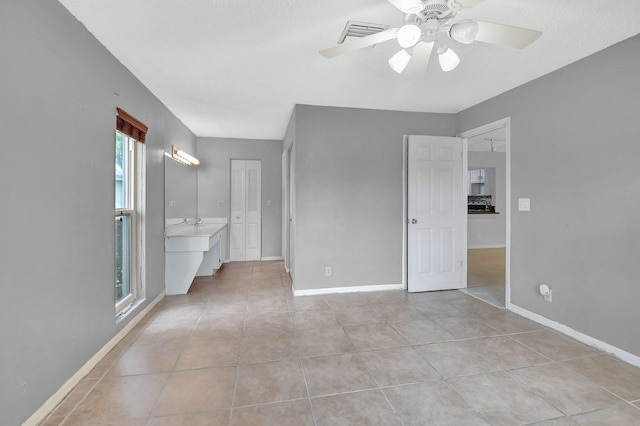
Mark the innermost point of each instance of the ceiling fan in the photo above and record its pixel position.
(429, 24)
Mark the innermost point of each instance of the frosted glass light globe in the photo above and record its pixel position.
(399, 61)
(409, 35)
(448, 59)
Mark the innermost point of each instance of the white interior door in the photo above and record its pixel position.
(253, 240)
(245, 240)
(237, 222)
(436, 212)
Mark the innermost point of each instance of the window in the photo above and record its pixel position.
(129, 206)
(125, 220)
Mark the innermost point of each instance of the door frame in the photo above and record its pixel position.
(495, 125)
(405, 210)
(287, 207)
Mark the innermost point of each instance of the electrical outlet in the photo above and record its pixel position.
(172, 203)
(327, 271)
(221, 203)
(546, 292)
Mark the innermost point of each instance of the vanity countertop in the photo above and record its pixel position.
(192, 236)
(200, 230)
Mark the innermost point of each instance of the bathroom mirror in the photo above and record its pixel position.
(180, 188)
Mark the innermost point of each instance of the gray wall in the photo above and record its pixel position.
(575, 152)
(180, 180)
(215, 155)
(488, 230)
(348, 193)
(59, 91)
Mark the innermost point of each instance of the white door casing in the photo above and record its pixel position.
(286, 208)
(504, 123)
(436, 213)
(246, 215)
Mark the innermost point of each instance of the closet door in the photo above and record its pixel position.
(236, 240)
(246, 214)
(253, 212)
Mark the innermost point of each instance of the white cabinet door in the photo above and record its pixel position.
(245, 230)
(436, 212)
(476, 176)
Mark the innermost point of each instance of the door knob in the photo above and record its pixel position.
(414, 221)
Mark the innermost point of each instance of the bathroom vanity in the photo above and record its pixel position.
(193, 248)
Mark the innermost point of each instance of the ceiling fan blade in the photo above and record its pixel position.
(506, 35)
(468, 3)
(360, 43)
(408, 6)
(419, 60)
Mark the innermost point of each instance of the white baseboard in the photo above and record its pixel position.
(270, 258)
(586, 339)
(68, 386)
(351, 289)
(489, 246)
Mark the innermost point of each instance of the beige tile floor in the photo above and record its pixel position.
(486, 275)
(239, 349)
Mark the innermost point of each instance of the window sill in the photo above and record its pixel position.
(128, 311)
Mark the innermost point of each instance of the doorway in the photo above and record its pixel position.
(488, 218)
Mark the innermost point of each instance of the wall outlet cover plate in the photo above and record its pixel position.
(524, 204)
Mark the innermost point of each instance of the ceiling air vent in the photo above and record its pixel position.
(355, 29)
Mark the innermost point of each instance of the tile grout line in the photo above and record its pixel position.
(306, 385)
(235, 382)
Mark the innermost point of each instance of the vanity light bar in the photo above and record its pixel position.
(184, 158)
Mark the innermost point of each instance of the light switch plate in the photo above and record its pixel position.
(524, 204)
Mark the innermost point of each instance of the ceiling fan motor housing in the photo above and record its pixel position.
(437, 8)
(434, 13)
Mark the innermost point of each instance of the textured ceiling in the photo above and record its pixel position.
(236, 68)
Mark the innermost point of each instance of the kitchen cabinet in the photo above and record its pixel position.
(476, 176)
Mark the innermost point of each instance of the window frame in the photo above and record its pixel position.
(131, 211)
(135, 132)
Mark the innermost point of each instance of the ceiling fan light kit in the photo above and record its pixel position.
(399, 61)
(409, 35)
(464, 31)
(429, 23)
(448, 59)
